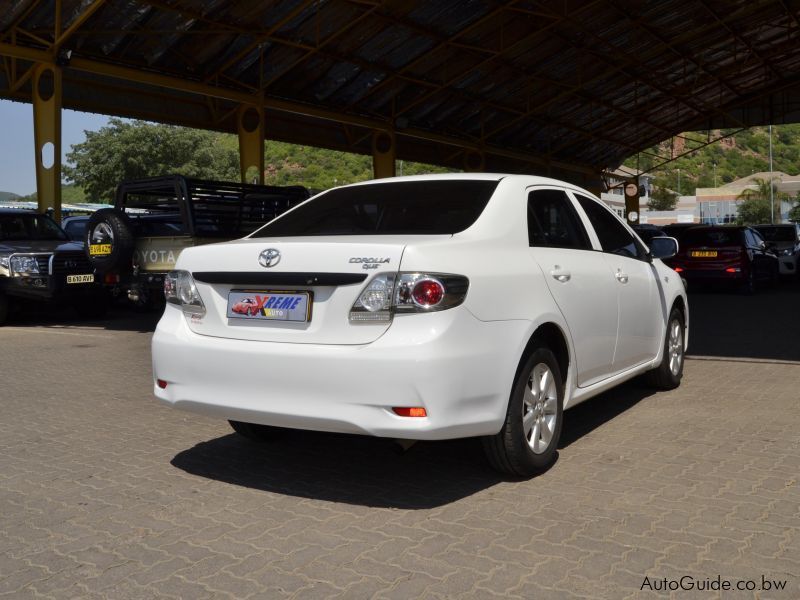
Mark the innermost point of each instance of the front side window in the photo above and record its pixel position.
(393, 208)
(613, 236)
(553, 222)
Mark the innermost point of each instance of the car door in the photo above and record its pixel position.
(577, 277)
(641, 310)
(762, 261)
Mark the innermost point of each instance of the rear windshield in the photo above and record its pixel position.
(712, 237)
(15, 227)
(217, 209)
(155, 214)
(402, 207)
(777, 234)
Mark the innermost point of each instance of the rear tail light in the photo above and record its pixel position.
(678, 269)
(427, 293)
(390, 293)
(180, 289)
(733, 270)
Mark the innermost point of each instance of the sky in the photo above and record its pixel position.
(17, 167)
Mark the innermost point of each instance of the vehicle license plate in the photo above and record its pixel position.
(99, 249)
(269, 306)
(80, 278)
(704, 254)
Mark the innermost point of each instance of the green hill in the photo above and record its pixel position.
(733, 157)
(69, 193)
(6, 196)
(317, 168)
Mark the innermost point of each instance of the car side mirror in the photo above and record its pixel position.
(663, 247)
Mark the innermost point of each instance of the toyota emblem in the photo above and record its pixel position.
(269, 258)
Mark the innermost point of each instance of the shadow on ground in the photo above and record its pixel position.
(597, 411)
(345, 468)
(120, 317)
(765, 325)
(370, 471)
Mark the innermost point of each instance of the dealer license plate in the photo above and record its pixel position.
(80, 278)
(269, 306)
(704, 254)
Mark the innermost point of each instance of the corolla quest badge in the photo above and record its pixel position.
(269, 258)
(369, 263)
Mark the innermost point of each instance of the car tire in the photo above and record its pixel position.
(109, 225)
(4, 302)
(255, 432)
(668, 375)
(536, 406)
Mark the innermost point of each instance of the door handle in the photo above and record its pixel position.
(621, 277)
(560, 275)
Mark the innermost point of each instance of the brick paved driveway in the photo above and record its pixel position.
(104, 493)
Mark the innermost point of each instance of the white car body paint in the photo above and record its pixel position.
(331, 374)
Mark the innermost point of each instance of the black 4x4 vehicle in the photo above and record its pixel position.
(133, 245)
(38, 262)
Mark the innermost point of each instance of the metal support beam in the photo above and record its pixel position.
(250, 124)
(47, 136)
(383, 154)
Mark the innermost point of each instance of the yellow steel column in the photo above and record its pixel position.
(250, 121)
(383, 154)
(47, 136)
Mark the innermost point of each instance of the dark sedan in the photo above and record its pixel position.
(725, 255)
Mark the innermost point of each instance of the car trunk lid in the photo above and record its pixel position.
(307, 290)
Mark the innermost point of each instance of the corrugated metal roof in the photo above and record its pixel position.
(532, 83)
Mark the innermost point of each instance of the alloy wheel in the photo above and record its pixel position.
(540, 408)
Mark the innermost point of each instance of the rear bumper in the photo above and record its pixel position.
(47, 288)
(457, 367)
(720, 274)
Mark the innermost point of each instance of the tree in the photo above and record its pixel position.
(132, 149)
(794, 213)
(662, 198)
(753, 211)
(755, 206)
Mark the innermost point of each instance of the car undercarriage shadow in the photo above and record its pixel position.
(370, 471)
(121, 316)
(597, 411)
(346, 468)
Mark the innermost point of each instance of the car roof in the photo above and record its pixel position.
(528, 180)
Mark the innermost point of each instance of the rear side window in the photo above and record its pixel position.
(613, 236)
(401, 207)
(778, 234)
(552, 221)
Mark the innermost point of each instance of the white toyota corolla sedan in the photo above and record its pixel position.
(423, 308)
